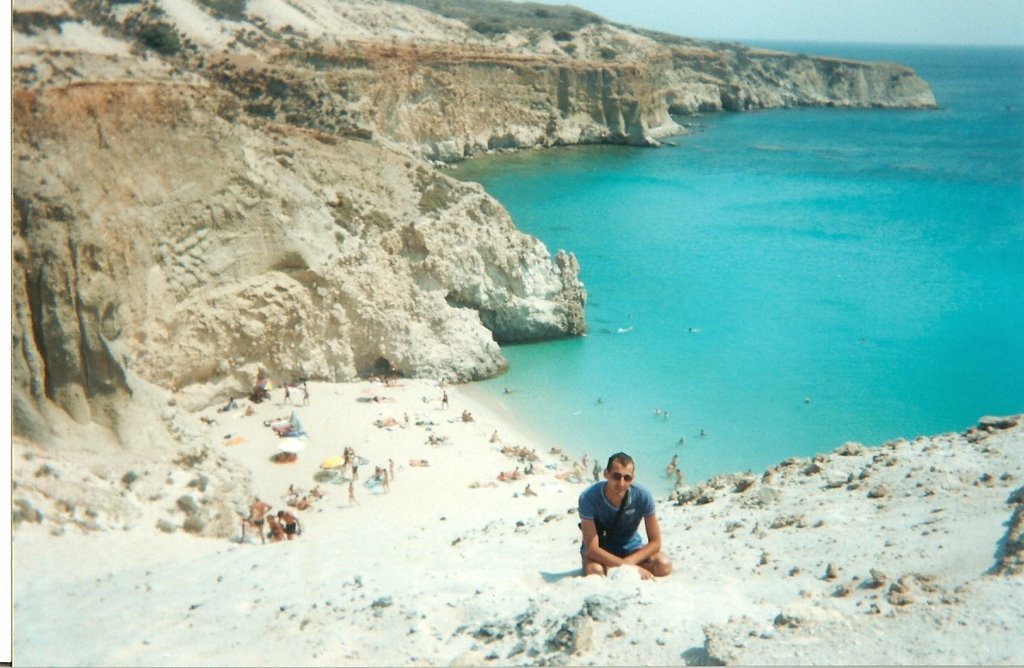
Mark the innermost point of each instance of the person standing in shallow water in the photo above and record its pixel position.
(610, 515)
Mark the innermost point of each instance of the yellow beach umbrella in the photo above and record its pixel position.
(332, 462)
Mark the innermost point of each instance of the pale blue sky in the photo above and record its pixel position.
(888, 21)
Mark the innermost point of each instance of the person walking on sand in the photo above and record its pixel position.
(352, 494)
(257, 514)
(287, 395)
(305, 394)
(444, 399)
(610, 514)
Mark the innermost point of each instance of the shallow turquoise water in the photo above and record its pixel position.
(784, 281)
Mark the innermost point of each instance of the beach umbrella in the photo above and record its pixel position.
(332, 462)
(292, 445)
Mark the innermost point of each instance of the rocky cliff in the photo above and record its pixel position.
(204, 187)
(158, 231)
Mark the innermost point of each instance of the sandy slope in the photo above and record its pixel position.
(447, 569)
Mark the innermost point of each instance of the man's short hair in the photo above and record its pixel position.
(622, 458)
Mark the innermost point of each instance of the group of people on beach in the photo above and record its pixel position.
(282, 526)
(287, 399)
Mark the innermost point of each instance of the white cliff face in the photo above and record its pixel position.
(159, 232)
(738, 79)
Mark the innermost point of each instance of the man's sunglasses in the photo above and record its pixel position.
(619, 476)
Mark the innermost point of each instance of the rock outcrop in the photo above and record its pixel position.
(159, 231)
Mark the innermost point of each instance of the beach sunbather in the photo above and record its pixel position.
(301, 504)
(507, 476)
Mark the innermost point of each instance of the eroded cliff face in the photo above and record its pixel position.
(159, 231)
(202, 188)
(431, 86)
(736, 78)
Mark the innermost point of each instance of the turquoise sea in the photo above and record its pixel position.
(783, 281)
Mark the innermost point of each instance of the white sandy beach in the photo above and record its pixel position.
(452, 566)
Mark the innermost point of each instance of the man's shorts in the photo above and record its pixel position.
(620, 551)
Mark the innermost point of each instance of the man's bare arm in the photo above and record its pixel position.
(653, 545)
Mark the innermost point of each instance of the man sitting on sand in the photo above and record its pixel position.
(610, 514)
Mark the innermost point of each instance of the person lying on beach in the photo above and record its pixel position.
(523, 454)
(507, 476)
(610, 514)
(418, 462)
(300, 504)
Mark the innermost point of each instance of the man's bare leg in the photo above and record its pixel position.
(658, 564)
(591, 567)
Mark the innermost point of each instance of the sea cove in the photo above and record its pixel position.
(784, 281)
